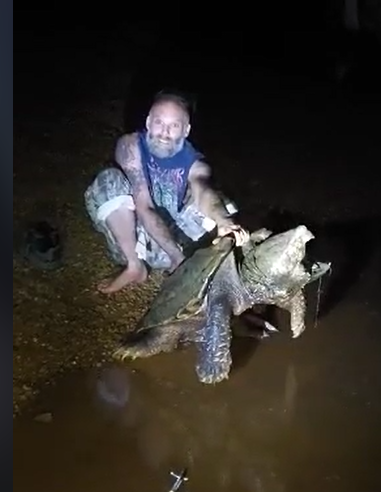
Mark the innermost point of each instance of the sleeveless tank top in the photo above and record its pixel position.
(167, 177)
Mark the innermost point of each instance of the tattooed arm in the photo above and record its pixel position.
(127, 155)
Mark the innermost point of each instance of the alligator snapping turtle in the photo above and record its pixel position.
(196, 302)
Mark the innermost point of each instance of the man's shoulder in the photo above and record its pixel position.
(128, 139)
(127, 152)
(199, 168)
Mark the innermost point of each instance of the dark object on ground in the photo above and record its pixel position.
(42, 246)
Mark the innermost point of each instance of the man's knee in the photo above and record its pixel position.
(109, 191)
(110, 180)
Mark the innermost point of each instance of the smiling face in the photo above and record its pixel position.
(167, 128)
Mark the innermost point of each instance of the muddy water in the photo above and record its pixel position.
(295, 416)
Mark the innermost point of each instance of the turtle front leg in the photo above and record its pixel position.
(297, 309)
(213, 341)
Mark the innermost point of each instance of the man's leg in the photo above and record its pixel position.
(122, 224)
(110, 205)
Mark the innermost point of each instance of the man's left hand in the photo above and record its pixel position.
(228, 226)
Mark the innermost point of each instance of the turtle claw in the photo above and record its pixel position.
(261, 329)
(213, 370)
(269, 327)
(212, 375)
(212, 378)
(123, 353)
(268, 330)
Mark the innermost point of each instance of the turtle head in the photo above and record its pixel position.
(279, 256)
(282, 253)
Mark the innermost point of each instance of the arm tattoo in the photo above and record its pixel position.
(136, 178)
(125, 154)
(127, 158)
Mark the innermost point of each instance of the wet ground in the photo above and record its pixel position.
(299, 415)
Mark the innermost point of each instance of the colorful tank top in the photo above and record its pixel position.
(167, 177)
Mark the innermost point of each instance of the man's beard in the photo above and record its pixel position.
(163, 150)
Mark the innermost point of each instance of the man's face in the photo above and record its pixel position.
(167, 128)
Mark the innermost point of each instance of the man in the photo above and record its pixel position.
(157, 196)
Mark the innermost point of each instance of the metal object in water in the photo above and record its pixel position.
(179, 480)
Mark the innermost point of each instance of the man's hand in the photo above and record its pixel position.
(228, 226)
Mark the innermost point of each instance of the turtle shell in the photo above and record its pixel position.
(182, 293)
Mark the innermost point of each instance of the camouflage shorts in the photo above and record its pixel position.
(111, 190)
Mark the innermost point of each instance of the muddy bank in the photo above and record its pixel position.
(60, 321)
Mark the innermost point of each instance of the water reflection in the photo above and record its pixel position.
(220, 435)
(295, 417)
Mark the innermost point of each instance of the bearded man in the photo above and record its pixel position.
(157, 195)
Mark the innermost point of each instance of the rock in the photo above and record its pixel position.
(45, 418)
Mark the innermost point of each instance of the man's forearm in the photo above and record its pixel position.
(159, 231)
(207, 200)
(210, 204)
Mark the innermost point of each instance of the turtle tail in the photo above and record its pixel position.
(147, 342)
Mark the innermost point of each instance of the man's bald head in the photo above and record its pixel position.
(171, 97)
(168, 125)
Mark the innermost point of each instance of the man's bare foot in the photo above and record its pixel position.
(133, 274)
